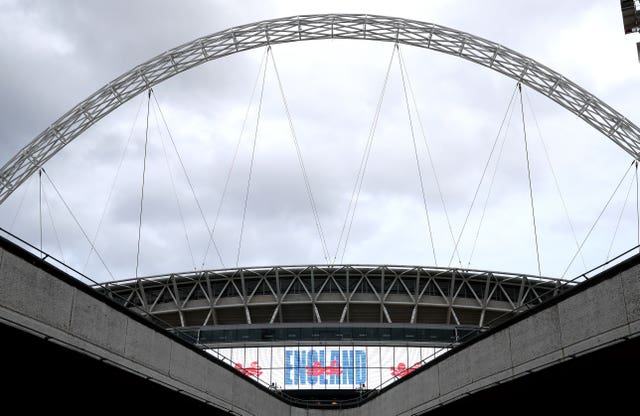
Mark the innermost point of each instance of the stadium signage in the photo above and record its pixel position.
(326, 367)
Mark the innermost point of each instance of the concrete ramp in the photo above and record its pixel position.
(37, 298)
(598, 314)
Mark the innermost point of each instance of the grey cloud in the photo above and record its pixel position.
(332, 89)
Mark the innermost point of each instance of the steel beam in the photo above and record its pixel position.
(483, 52)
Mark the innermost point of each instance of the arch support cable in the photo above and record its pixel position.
(188, 179)
(491, 183)
(144, 172)
(428, 148)
(305, 175)
(53, 225)
(174, 190)
(556, 182)
(75, 219)
(624, 206)
(113, 186)
(637, 203)
(345, 232)
(253, 155)
(598, 218)
(232, 165)
(484, 172)
(533, 208)
(415, 151)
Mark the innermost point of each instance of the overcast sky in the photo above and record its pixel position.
(56, 53)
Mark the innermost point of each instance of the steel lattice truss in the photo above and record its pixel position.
(346, 293)
(331, 26)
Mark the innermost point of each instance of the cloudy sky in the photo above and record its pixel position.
(56, 53)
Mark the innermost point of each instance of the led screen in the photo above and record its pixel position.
(327, 367)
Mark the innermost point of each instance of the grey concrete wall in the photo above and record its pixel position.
(596, 317)
(32, 299)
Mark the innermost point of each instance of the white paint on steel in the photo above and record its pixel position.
(311, 27)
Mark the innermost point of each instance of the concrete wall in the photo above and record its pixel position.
(33, 299)
(603, 314)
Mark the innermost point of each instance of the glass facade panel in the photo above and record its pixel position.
(217, 335)
(303, 367)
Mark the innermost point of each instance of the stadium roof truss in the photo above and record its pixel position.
(343, 294)
(312, 27)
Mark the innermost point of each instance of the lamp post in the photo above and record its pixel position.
(631, 18)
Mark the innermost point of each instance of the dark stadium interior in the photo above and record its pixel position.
(40, 375)
(603, 381)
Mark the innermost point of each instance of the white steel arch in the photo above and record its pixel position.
(311, 27)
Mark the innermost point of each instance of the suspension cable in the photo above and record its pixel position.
(637, 203)
(491, 183)
(253, 154)
(113, 185)
(526, 152)
(173, 188)
(55, 188)
(624, 206)
(40, 207)
(53, 224)
(426, 144)
(184, 170)
(305, 175)
(22, 198)
(235, 156)
(598, 218)
(144, 171)
(357, 187)
(415, 151)
(555, 177)
(484, 172)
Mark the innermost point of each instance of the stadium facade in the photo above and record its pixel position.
(331, 327)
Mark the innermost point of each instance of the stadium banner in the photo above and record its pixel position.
(326, 367)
